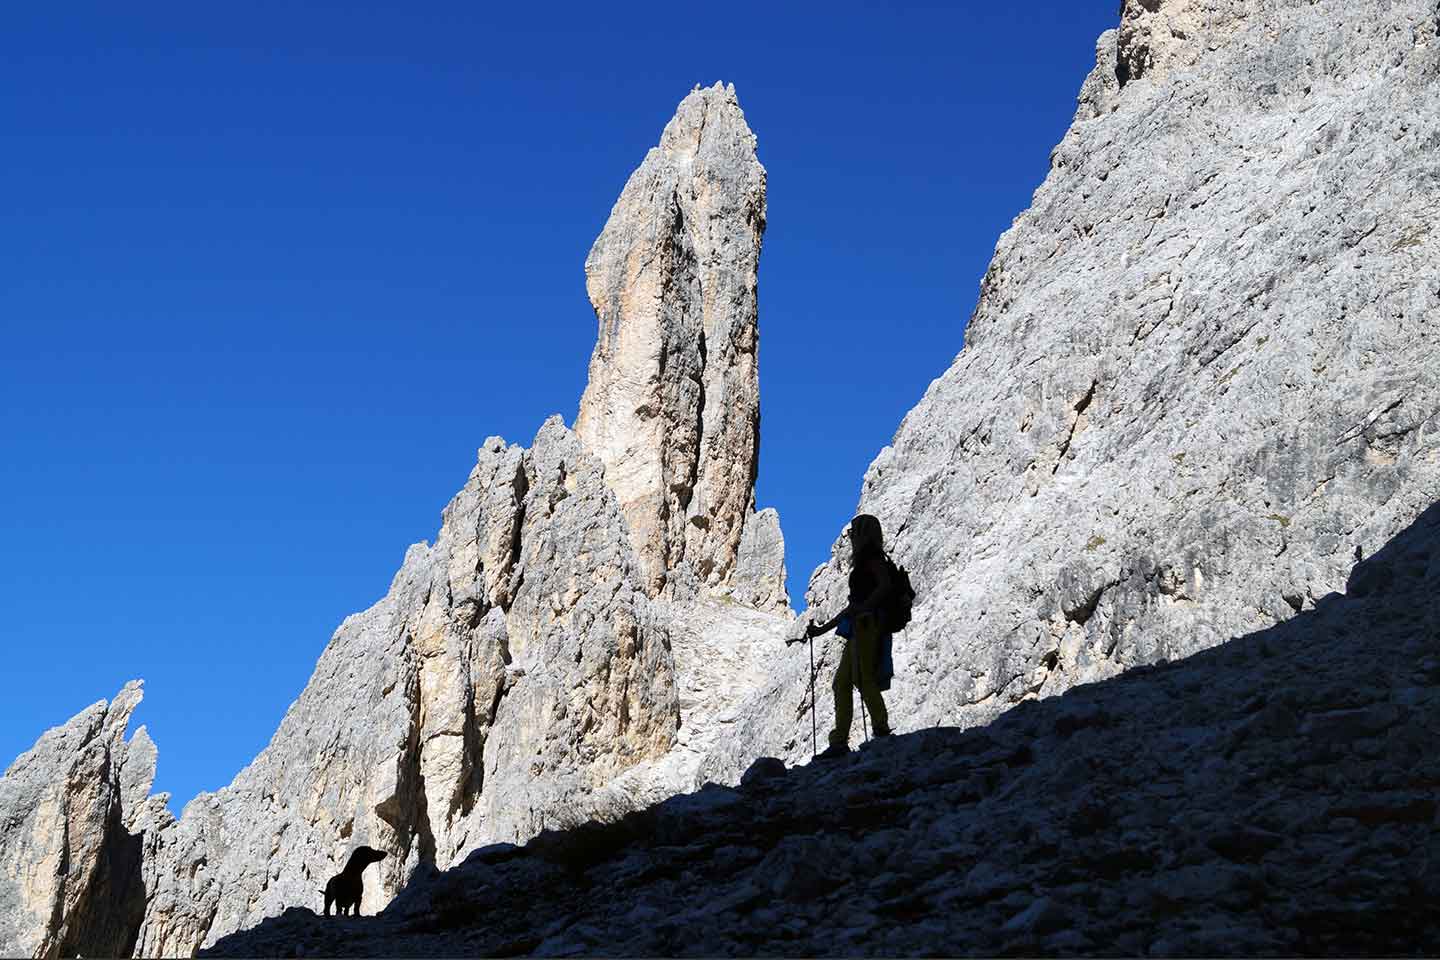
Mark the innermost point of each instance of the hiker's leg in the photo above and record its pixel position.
(867, 642)
(844, 703)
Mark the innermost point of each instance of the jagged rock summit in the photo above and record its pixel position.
(514, 666)
(524, 671)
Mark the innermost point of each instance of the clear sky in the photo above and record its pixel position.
(273, 271)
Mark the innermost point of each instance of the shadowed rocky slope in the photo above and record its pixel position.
(1273, 795)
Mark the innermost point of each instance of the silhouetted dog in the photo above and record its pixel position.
(347, 886)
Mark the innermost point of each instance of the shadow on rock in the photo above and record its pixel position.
(1275, 794)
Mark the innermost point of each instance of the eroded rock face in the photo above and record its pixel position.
(1202, 378)
(519, 669)
(672, 408)
(588, 649)
(72, 811)
(1200, 382)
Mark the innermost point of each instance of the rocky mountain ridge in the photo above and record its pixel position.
(87, 777)
(1273, 795)
(1200, 383)
(562, 650)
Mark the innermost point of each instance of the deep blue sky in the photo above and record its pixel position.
(272, 272)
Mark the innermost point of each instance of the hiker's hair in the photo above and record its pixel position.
(865, 531)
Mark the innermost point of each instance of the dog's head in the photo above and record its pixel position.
(363, 857)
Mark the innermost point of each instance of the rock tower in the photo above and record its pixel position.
(673, 405)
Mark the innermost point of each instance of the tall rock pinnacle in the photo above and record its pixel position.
(672, 408)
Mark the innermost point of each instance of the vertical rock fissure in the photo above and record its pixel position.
(701, 441)
(1077, 424)
(514, 573)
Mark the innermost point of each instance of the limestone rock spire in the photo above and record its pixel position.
(672, 408)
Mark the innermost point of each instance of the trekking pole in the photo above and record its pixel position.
(814, 729)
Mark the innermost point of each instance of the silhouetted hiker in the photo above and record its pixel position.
(862, 625)
(347, 887)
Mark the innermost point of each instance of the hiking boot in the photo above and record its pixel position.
(833, 752)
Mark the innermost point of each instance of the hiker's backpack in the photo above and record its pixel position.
(902, 598)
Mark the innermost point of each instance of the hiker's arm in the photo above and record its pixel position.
(817, 629)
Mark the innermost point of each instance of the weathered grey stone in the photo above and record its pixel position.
(723, 652)
(518, 676)
(69, 863)
(1203, 370)
(596, 659)
(1100, 92)
(672, 408)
